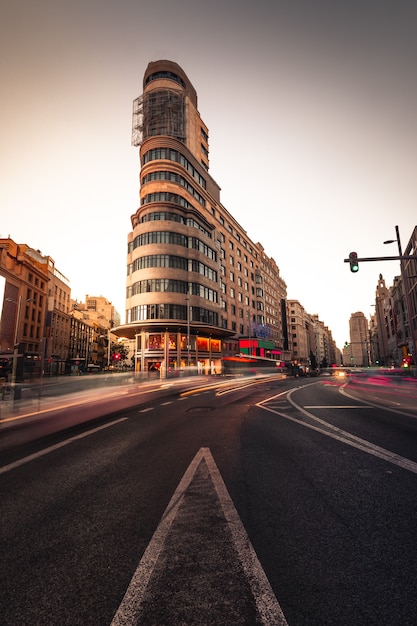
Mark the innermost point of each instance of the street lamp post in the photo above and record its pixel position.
(188, 332)
(406, 291)
(108, 348)
(16, 347)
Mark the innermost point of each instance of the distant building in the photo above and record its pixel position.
(310, 342)
(381, 295)
(298, 336)
(91, 337)
(356, 352)
(101, 310)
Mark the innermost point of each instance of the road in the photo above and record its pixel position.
(280, 501)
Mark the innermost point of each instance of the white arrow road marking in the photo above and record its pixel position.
(201, 507)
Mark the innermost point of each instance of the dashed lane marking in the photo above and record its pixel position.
(335, 406)
(36, 455)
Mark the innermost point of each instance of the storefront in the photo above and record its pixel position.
(168, 354)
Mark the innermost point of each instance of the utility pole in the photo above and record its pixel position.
(404, 278)
(187, 299)
(354, 261)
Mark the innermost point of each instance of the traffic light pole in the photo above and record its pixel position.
(401, 257)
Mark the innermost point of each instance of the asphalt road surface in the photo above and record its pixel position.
(280, 501)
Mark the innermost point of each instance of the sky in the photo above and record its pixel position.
(311, 110)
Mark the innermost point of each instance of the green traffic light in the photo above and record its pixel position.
(353, 261)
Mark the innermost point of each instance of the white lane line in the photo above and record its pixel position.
(166, 403)
(266, 602)
(342, 435)
(57, 446)
(335, 406)
(128, 611)
(149, 408)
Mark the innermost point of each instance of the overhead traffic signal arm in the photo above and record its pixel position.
(353, 259)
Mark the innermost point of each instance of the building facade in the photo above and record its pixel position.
(381, 296)
(356, 352)
(196, 283)
(57, 323)
(24, 284)
(310, 341)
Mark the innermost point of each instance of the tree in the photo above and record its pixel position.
(119, 353)
(313, 360)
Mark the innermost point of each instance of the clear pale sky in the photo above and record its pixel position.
(311, 109)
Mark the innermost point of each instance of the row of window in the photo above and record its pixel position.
(148, 312)
(173, 155)
(173, 262)
(235, 233)
(176, 239)
(166, 196)
(174, 178)
(169, 216)
(156, 285)
(35, 280)
(165, 74)
(256, 332)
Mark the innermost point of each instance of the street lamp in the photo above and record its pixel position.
(187, 299)
(406, 290)
(108, 348)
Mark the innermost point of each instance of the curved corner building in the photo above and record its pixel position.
(195, 282)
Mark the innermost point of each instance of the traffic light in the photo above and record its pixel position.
(353, 261)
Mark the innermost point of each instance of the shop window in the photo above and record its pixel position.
(216, 345)
(203, 344)
(156, 342)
